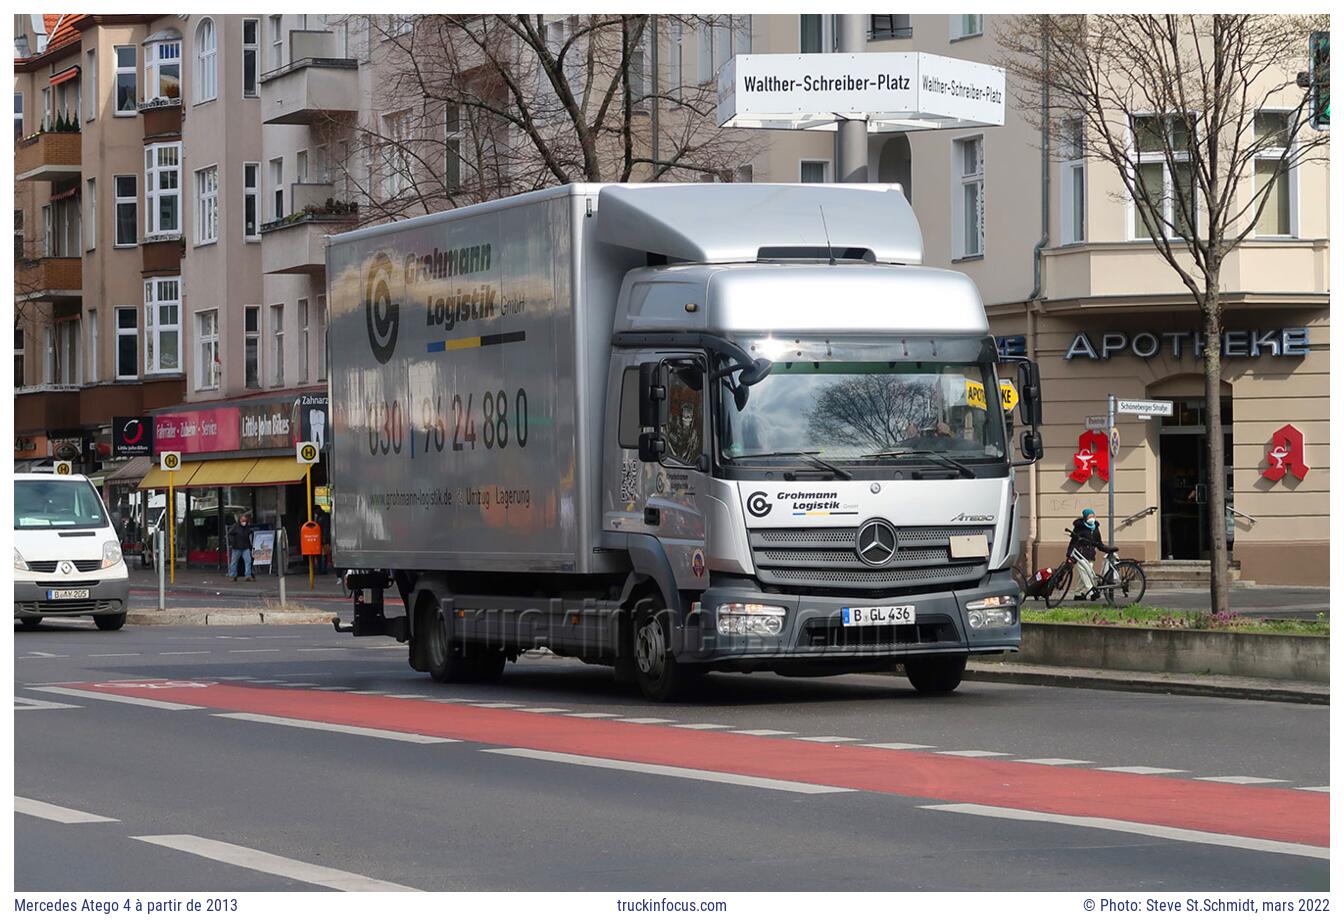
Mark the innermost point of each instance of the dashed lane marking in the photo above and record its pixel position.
(700, 726)
(58, 813)
(1140, 771)
(759, 732)
(1133, 827)
(541, 709)
(637, 720)
(592, 715)
(898, 746)
(1238, 780)
(114, 655)
(830, 739)
(1054, 761)
(710, 776)
(251, 651)
(185, 653)
(972, 753)
(335, 688)
(408, 696)
(115, 698)
(496, 705)
(271, 864)
(1325, 789)
(385, 734)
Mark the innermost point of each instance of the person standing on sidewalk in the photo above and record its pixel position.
(1084, 542)
(240, 547)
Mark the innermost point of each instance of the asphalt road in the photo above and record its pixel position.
(293, 758)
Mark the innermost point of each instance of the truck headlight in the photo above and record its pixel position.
(111, 554)
(19, 564)
(992, 612)
(750, 619)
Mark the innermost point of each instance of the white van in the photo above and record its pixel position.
(67, 558)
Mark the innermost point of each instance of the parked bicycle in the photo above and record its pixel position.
(1122, 582)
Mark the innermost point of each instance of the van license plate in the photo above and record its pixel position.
(68, 594)
(879, 616)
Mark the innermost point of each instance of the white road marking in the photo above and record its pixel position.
(408, 696)
(639, 720)
(335, 688)
(496, 705)
(263, 680)
(114, 698)
(538, 709)
(1133, 827)
(271, 864)
(1053, 761)
(593, 715)
(39, 656)
(1325, 789)
(700, 726)
(114, 655)
(829, 739)
(369, 692)
(250, 651)
(22, 703)
(1237, 780)
(383, 733)
(898, 746)
(299, 684)
(184, 653)
(1141, 771)
(57, 813)
(710, 776)
(759, 731)
(972, 753)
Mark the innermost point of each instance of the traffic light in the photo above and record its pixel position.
(1320, 80)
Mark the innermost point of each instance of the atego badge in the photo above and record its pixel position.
(306, 452)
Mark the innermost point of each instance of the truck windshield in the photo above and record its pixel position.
(47, 504)
(869, 412)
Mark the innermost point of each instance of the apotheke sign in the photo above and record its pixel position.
(1237, 343)
(891, 91)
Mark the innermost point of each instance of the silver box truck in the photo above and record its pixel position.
(673, 429)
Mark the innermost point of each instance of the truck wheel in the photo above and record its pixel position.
(110, 621)
(30, 621)
(447, 663)
(660, 676)
(935, 673)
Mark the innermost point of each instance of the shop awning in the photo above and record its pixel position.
(275, 471)
(214, 474)
(158, 477)
(133, 470)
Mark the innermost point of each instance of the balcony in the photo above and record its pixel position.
(56, 279)
(310, 89)
(46, 408)
(47, 157)
(297, 244)
(162, 117)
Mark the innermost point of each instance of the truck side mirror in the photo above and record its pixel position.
(653, 407)
(1029, 387)
(652, 447)
(1033, 446)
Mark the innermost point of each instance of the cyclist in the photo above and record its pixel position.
(1084, 542)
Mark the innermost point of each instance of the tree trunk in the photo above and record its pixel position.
(1213, 416)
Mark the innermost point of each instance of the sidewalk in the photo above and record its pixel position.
(1275, 602)
(214, 584)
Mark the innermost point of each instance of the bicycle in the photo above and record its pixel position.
(1123, 578)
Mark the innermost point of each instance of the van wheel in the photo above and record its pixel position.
(935, 674)
(660, 676)
(110, 621)
(30, 621)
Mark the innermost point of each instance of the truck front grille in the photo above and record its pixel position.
(825, 559)
(830, 632)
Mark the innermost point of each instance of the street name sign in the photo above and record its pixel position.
(1161, 407)
(1095, 422)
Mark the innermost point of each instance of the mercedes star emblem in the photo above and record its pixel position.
(876, 544)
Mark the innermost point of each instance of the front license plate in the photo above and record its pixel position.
(68, 594)
(879, 616)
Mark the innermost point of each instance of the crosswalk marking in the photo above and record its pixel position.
(114, 698)
(271, 864)
(58, 813)
(23, 703)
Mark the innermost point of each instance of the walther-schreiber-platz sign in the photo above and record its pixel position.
(892, 91)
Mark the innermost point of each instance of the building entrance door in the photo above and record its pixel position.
(1184, 476)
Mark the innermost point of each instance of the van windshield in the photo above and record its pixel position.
(48, 504)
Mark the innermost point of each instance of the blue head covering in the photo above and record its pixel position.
(1089, 512)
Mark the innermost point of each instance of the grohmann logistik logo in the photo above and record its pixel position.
(382, 314)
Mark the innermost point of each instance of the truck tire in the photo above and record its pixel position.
(935, 674)
(30, 622)
(446, 660)
(660, 676)
(110, 621)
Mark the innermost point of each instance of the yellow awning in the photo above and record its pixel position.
(275, 471)
(158, 477)
(212, 474)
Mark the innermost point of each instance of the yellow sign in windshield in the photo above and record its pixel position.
(975, 394)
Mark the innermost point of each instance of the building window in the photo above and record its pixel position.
(62, 228)
(816, 34)
(128, 344)
(163, 330)
(717, 44)
(278, 343)
(304, 343)
(207, 342)
(18, 357)
(396, 156)
(674, 51)
(277, 188)
(18, 234)
(163, 189)
(62, 358)
(91, 221)
(1273, 138)
(1072, 185)
(250, 195)
(321, 336)
(252, 347)
(90, 85)
(888, 26)
(966, 25)
(969, 210)
(320, 173)
(207, 79)
(93, 346)
(277, 43)
(46, 109)
(452, 160)
(125, 203)
(163, 70)
(207, 205)
(1153, 136)
(814, 171)
(301, 166)
(250, 57)
(18, 115)
(125, 55)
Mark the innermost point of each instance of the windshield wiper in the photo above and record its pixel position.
(966, 471)
(809, 455)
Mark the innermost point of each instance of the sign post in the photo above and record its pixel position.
(171, 460)
(306, 452)
(1110, 480)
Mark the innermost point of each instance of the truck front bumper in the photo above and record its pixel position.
(813, 639)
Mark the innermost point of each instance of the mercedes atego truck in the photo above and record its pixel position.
(674, 429)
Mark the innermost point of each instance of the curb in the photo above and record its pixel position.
(1142, 682)
(192, 591)
(229, 618)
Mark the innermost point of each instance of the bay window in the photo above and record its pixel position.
(163, 189)
(163, 69)
(163, 331)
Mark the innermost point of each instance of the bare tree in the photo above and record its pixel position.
(1200, 118)
(478, 107)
